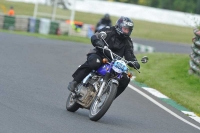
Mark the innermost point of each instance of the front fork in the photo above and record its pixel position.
(105, 79)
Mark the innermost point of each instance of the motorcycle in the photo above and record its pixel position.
(98, 89)
(100, 27)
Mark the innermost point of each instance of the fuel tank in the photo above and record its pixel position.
(103, 69)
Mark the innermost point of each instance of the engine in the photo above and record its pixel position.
(87, 93)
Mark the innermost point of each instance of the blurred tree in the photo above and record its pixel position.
(179, 5)
(133, 1)
(143, 2)
(192, 6)
(125, 1)
(198, 7)
(166, 4)
(154, 3)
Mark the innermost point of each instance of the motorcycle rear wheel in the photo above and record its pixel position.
(100, 105)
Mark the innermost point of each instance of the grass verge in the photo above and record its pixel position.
(168, 73)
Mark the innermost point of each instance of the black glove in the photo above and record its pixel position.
(99, 43)
(135, 65)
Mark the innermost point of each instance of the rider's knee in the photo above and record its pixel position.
(94, 61)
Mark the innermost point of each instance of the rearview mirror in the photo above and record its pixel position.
(144, 59)
(102, 35)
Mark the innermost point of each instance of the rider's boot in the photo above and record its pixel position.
(72, 85)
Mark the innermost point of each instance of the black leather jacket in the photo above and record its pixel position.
(120, 46)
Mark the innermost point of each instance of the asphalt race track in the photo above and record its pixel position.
(34, 73)
(166, 47)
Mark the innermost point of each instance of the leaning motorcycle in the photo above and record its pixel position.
(98, 89)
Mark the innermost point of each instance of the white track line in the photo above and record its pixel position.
(161, 106)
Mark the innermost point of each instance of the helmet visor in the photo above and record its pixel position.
(126, 30)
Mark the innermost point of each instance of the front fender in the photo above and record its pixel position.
(114, 81)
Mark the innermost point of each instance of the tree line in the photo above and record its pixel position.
(191, 6)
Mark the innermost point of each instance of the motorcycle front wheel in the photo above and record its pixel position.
(71, 104)
(100, 105)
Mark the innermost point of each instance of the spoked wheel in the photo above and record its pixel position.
(100, 105)
(71, 104)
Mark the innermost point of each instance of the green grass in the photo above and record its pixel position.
(168, 73)
(143, 29)
(28, 8)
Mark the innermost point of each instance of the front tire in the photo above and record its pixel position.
(100, 106)
(71, 104)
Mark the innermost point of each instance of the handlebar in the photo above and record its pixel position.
(103, 36)
(118, 57)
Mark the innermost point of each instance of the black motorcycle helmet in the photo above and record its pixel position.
(106, 16)
(126, 23)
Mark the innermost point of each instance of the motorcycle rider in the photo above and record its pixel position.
(105, 21)
(119, 41)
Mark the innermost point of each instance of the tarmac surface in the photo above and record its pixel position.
(34, 74)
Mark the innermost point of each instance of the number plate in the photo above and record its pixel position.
(119, 66)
